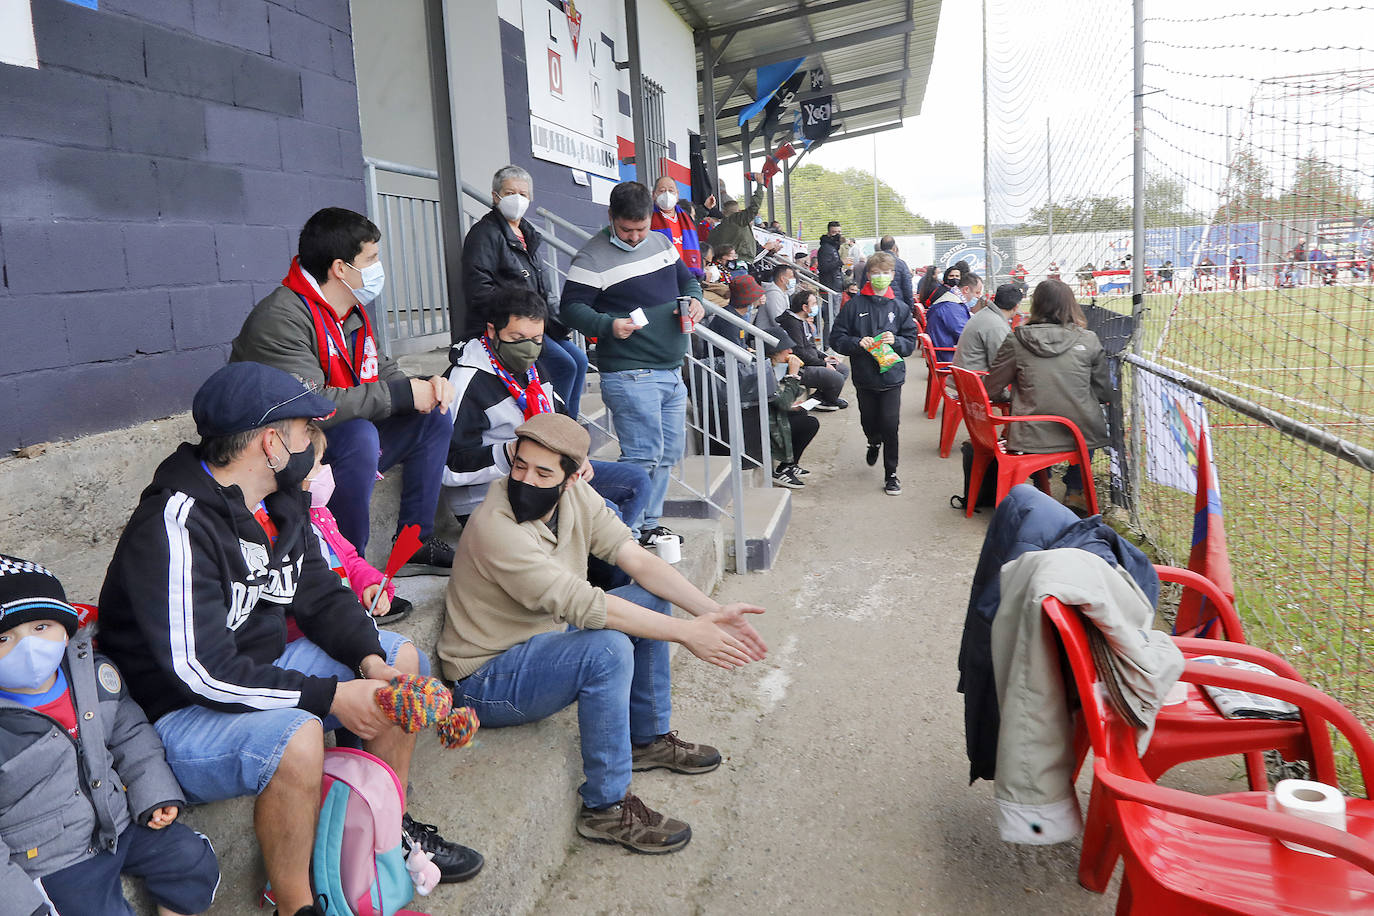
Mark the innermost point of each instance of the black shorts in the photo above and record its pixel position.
(177, 864)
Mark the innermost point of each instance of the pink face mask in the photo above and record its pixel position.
(322, 487)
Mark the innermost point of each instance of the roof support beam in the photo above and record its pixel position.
(848, 135)
(859, 36)
(775, 18)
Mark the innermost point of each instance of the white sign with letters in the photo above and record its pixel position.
(573, 84)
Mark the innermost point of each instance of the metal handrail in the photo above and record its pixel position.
(731, 318)
(559, 221)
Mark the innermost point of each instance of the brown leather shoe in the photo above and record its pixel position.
(672, 753)
(633, 825)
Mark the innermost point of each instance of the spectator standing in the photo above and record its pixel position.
(625, 267)
(1054, 365)
(901, 279)
(735, 228)
(875, 316)
(673, 220)
(949, 281)
(926, 285)
(521, 578)
(825, 374)
(828, 260)
(982, 337)
(502, 249)
(946, 319)
(777, 292)
(315, 327)
(217, 554)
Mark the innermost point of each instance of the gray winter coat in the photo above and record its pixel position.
(1059, 370)
(69, 804)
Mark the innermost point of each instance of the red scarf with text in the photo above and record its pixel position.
(531, 398)
(342, 369)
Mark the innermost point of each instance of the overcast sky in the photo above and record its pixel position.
(1195, 71)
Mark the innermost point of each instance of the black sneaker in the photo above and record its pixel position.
(434, 558)
(786, 476)
(648, 536)
(872, 456)
(841, 403)
(893, 486)
(824, 407)
(400, 610)
(799, 470)
(456, 862)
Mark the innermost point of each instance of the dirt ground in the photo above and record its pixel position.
(845, 787)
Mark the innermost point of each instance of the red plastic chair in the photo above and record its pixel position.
(1187, 853)
(1011, 469)
(918, 311)
(937, 372)
(1195, 730)
(1106, 831)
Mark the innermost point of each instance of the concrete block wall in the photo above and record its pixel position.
(158, 165)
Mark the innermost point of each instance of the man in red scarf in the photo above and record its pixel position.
(315, 326)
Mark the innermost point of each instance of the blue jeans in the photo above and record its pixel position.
(649, 410)
(625, 487)
(565, 366)
(217, 755)
(621, 685)
(358, 449)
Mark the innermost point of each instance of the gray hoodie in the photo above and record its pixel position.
(1059, 370)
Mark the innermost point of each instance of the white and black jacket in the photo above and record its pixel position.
(193, 610)
(485, 417)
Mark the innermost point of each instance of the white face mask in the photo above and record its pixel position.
(513, 206)
(666, 201)
(374, 279)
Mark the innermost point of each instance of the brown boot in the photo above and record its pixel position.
(633, 825)
(672, 753)
(1075, 500)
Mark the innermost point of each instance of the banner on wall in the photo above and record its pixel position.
(572, 84)
(16, 34)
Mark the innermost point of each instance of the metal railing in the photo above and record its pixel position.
(412, 314)
(714, 368)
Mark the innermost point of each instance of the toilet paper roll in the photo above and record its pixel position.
(668, 547)
(1312, 801)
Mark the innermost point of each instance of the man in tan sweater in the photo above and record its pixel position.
(518, 581)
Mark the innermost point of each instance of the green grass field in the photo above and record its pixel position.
(1298, 520)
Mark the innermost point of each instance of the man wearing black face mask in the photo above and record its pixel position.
(497, 391)
(217, 554)
(520, 577)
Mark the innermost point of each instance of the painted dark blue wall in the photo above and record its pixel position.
(157, 167)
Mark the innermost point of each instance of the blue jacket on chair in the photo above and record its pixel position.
(1025, 520)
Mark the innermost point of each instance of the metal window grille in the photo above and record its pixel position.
(655, 132)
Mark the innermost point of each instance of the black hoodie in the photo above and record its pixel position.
(193, 610)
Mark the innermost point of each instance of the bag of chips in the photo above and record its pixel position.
(884, 354)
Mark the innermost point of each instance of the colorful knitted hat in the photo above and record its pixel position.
(416, 703)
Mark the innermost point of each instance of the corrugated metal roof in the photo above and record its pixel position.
(885, 46)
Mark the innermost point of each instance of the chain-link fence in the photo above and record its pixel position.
(1259, 231)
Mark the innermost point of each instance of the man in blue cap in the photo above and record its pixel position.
(193, 611)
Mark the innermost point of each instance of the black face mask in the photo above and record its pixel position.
(292, 474)
(528, 502)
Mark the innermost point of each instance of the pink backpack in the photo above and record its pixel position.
(358, 867)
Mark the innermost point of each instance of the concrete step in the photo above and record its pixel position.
(700, 476)
(767, 513)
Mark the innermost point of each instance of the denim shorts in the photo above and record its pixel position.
(217, 755)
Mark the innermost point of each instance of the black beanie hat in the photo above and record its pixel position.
(29, 592)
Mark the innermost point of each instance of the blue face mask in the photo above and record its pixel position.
(30, 663)
(620, 243)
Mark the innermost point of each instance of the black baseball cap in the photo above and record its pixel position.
(244, 396)
(785, 342)
(1008, 296)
